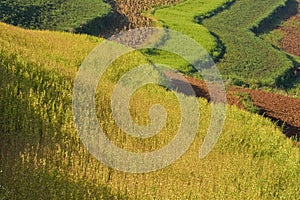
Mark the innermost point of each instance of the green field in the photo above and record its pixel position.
(243, 58)
(42, 156)
(248, 58)
(63, 15)
(178, 19)
(274, 36)
(181, 18)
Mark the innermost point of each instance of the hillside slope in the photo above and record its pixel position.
(42, 156)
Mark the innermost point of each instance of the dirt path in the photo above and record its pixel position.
(283, 110)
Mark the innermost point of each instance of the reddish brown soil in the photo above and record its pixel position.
(280, 109)
(133, 9)
(128, 14)
(291, 34)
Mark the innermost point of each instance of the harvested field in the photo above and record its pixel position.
(291, 34)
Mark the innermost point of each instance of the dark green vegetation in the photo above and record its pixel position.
(65, 15)
(249, 60)
(247, 102)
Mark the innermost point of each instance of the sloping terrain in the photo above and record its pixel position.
(133, 10)
(282, 110)
(42, 156)
(291, 35)
(268, 103)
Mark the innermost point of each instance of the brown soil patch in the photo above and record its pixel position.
(133, 9)
(283, 110)
(291, 34)
(128, 14)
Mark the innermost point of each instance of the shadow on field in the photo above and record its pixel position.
(107, 25)
(31, 16)
(104, 26)
(281, 14)
(182, 87)
(288, 129)
(289, 79)
(262, 100)
(29, 183)
(28, 141)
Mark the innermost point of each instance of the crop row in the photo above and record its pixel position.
(248, 59)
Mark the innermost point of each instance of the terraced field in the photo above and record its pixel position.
(231, 40)
(248, 59)
(286, 37)
(182, 19)
(290, 41)
(281, 109)
(42, 156)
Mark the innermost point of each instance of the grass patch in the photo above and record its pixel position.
(183, 18)
(247, 102)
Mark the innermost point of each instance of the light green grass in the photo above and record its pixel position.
(181, 18)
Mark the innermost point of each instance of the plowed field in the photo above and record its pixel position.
(291, 34)
(283, 110)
